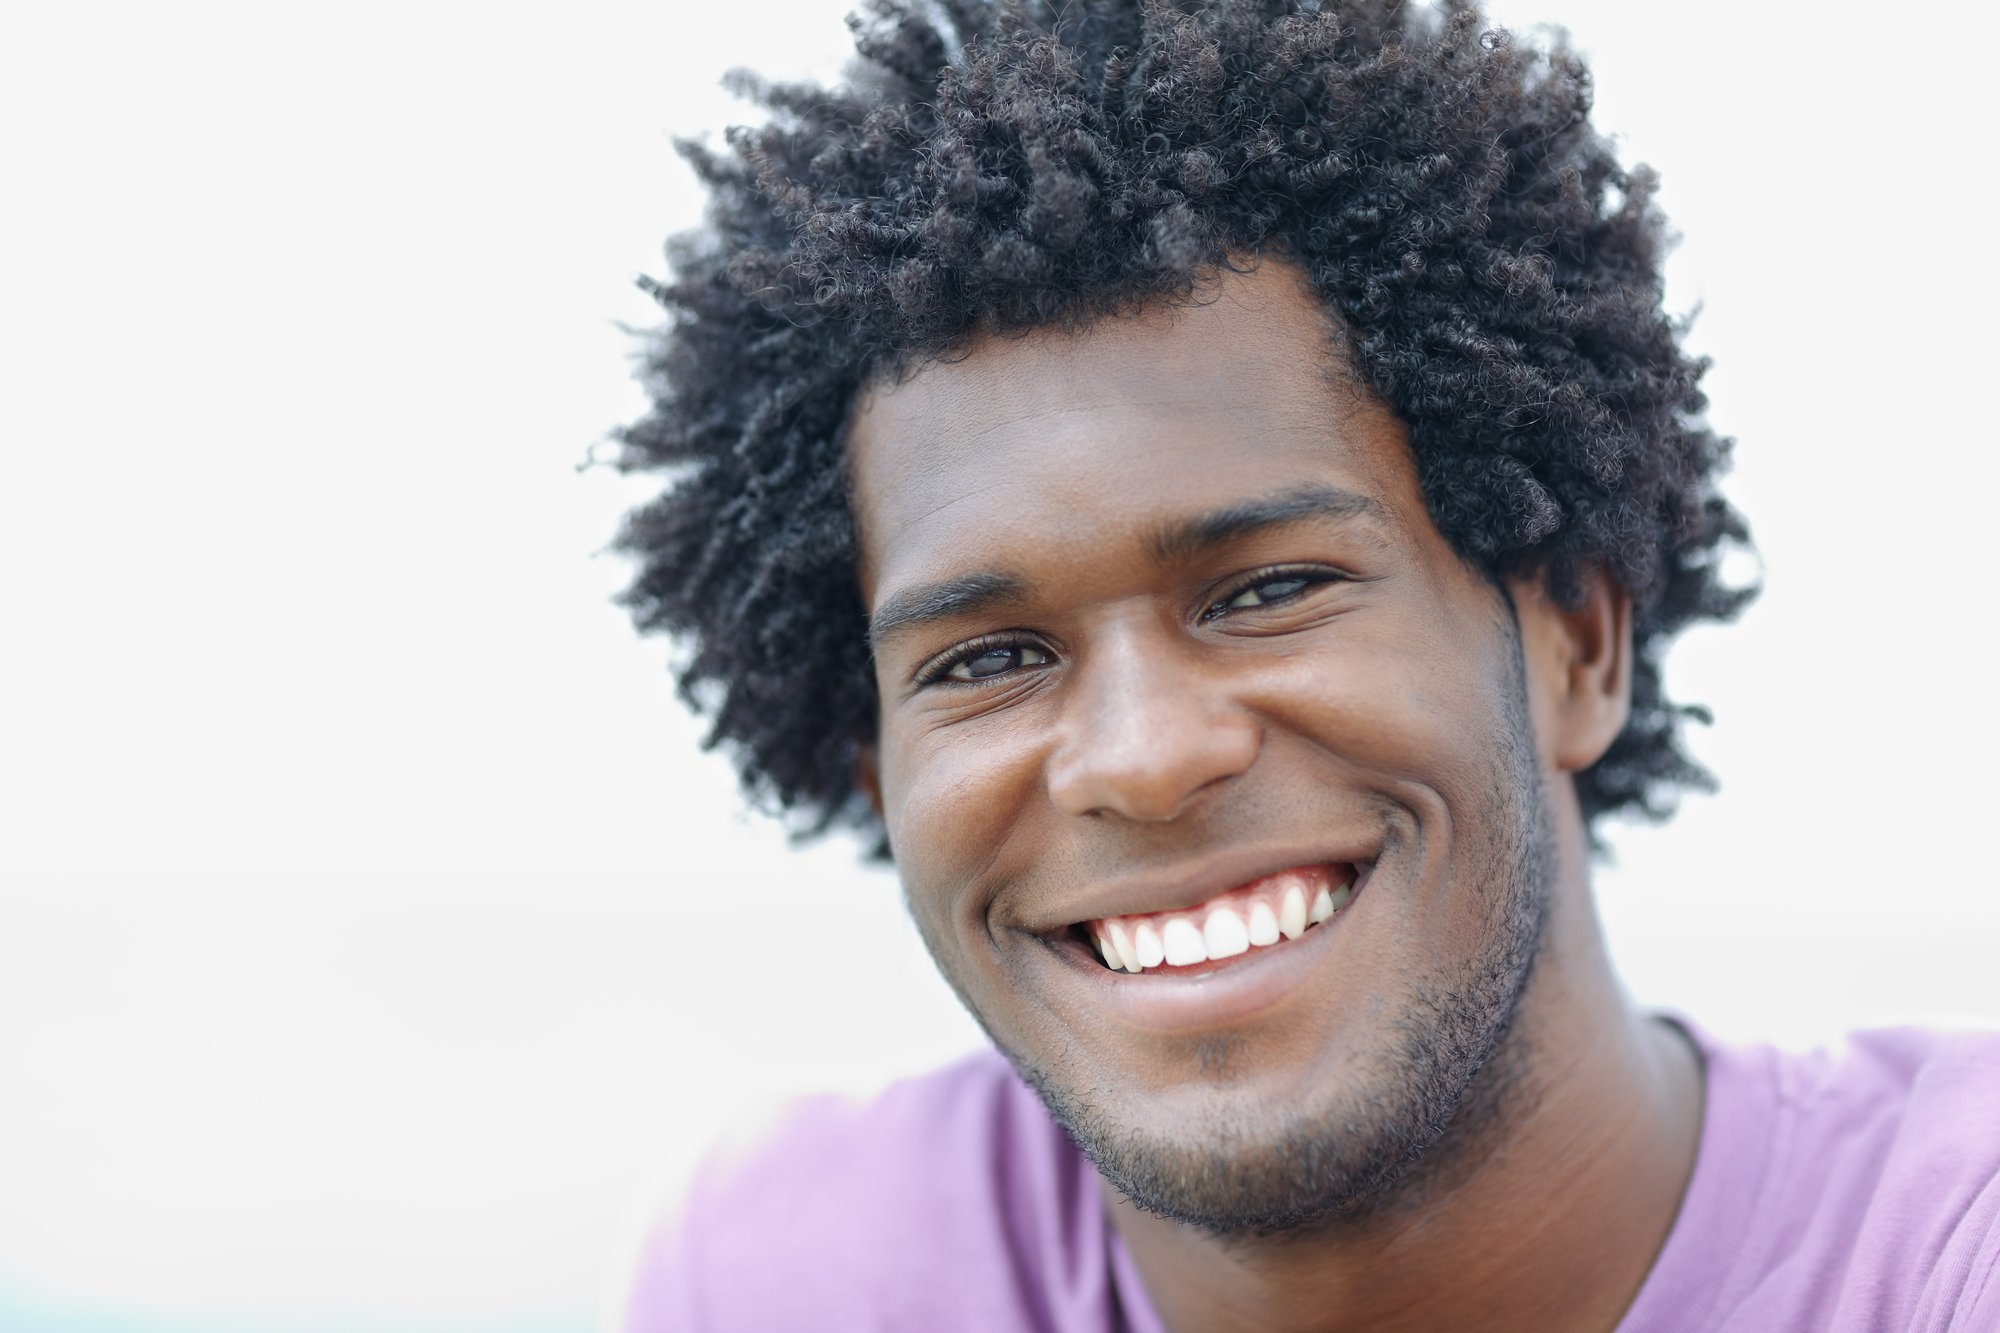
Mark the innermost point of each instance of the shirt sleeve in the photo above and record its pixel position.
(663, 1296)
(1979, 1311)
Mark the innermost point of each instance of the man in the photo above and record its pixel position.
(1210, 487)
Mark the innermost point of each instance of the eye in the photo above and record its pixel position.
(994, 661)
(1269, 587)
(978, 662)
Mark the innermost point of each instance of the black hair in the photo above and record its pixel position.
(1005, 165)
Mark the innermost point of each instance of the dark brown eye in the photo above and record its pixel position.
(996, 661)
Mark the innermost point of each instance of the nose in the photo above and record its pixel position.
(1146, 728)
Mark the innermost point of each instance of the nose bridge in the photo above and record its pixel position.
(1146, 726)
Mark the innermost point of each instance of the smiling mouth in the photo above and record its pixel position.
(1263, 914)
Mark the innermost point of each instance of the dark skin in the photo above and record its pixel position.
(1159, 607)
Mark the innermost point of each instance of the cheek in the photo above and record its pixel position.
(1426, 707)
(952, 796)
(946, 784)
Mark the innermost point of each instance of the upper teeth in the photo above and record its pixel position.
(1256, 915)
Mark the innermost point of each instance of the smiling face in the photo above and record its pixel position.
(1164, 631)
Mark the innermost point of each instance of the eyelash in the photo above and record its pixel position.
(1311, 575)
(938, 670)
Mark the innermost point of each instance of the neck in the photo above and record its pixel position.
(1549, 1222)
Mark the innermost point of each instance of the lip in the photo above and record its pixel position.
(1190, 884)
(1177, 1002)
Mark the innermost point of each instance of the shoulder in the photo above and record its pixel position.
(938, 1197)
(1903, 1110)
(1911, 1070)
(1923, 1111)
(1881, 1171)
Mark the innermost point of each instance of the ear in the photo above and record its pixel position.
(868, 777)
(1579, 665)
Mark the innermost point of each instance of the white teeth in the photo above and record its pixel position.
(1263, 924)
(1292, 913)
(1122, 949)
(1183, 942)
(1223, 934)
(1147, 946)
(1134, 945)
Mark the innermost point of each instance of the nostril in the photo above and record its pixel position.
(1148, 794)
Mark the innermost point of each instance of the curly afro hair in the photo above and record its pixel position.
(1005, 165)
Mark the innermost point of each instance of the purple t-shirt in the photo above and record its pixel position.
(1848, 1191)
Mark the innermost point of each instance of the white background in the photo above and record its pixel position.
(374, 945)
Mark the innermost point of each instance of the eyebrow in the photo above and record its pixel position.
(947, 599)
(970, 594)
(1183, 538)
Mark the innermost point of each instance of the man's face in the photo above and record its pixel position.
(1164, 626)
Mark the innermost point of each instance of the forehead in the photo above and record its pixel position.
(1058, 437)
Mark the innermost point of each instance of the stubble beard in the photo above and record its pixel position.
(1418, 1116)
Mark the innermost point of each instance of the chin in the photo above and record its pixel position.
(1261, 1153)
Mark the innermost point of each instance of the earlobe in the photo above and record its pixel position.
(1579, 663)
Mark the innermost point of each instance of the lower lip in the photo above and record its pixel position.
(1176, 1000)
